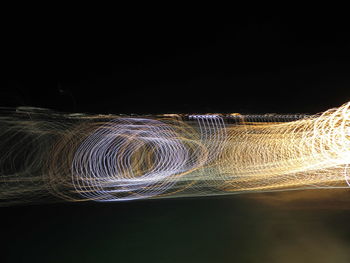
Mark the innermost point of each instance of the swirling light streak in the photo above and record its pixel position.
(48, 156)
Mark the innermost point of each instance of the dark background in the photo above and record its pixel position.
(147, 64)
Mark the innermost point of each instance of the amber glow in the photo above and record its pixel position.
(78, 157)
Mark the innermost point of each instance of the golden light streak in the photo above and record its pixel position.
(48, 156)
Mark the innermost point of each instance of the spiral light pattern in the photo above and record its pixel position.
(48, 156)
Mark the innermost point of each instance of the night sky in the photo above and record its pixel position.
(149, 65)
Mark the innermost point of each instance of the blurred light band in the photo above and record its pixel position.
(78, 157)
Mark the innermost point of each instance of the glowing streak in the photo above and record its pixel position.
(79, 157)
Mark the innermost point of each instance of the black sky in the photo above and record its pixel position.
(251, 63)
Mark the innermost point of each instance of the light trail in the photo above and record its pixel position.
(47, 156)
